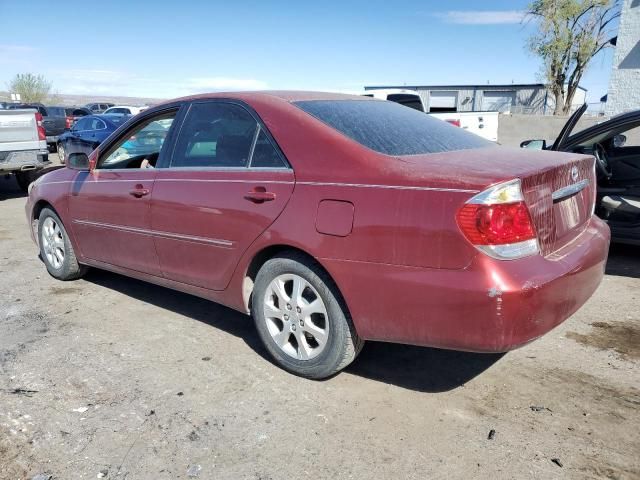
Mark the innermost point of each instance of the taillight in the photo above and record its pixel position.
(454, 122)
(68, 122)
(41, 133)
(498, 223)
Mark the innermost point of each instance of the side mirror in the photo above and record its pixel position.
(78, 161)
(534, 144)
(619, 141)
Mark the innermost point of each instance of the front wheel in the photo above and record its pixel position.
(56, 249)
(61, 153)
(24, 179)
(301, 319)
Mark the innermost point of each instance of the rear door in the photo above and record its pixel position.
(225, 183)
(92, 135)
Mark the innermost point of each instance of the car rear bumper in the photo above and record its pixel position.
(23, 160)
(490, 306)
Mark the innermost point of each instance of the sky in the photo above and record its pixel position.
(164, 49)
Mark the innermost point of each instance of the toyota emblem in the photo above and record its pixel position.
(574, 173)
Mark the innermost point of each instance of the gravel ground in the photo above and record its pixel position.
(109, 377)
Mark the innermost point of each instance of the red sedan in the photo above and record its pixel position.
(331, 219)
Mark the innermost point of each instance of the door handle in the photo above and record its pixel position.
(139, 192)
(260, 195)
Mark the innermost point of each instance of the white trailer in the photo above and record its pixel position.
(484, 124)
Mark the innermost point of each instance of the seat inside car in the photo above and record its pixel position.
(232, 151)
(621, 207)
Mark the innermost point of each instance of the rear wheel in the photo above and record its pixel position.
(56, 249)
(301, 319)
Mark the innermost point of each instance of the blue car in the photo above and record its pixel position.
(87, 133)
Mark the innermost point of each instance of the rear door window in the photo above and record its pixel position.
(82, 125)
(390, 128)
(96, 124)
(215, 134)
(265, 154)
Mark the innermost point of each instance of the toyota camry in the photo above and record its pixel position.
(332, 220)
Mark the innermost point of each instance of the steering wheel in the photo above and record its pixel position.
(602, 162)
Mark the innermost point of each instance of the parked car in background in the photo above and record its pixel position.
(54, 120)
(98, 107)
(124, 110)
(615, 144)
(408, 98)
(73, 114)
(88, 133)
(484, 124)
(23, 147)
(332, 219)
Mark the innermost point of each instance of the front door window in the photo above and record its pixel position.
(141, 147)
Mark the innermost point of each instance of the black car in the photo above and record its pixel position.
(98, 107)
(87, 133)
(73, 114)
(615, 144)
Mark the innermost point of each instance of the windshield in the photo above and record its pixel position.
(390, 128)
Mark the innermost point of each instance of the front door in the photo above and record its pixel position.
(226, 182)
(110, 205)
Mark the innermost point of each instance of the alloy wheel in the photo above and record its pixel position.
(296, 317)
(53, 242)
(61, 153)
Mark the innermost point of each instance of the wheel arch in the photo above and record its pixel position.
(271, 251)
(39, 206)
(35, 216)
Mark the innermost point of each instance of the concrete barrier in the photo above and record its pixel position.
(515, 128)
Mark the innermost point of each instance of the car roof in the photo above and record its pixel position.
(286, 95)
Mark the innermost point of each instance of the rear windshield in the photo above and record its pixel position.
(117, 119)
(390, 128)
(56, 111)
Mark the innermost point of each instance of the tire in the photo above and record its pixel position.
(61, 153)
(24, 179)
(55, 248)
(307, 338)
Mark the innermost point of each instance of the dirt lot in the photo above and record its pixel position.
(109, 377)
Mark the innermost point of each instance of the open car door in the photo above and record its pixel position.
(568, 128)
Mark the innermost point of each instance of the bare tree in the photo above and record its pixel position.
(570, 33)
(32, 88)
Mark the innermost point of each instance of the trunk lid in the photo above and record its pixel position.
(559, 188)
(561, 201)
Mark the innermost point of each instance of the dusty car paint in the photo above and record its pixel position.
(406, 272)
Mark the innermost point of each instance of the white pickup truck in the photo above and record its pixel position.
(23, 145)
(484, 124)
